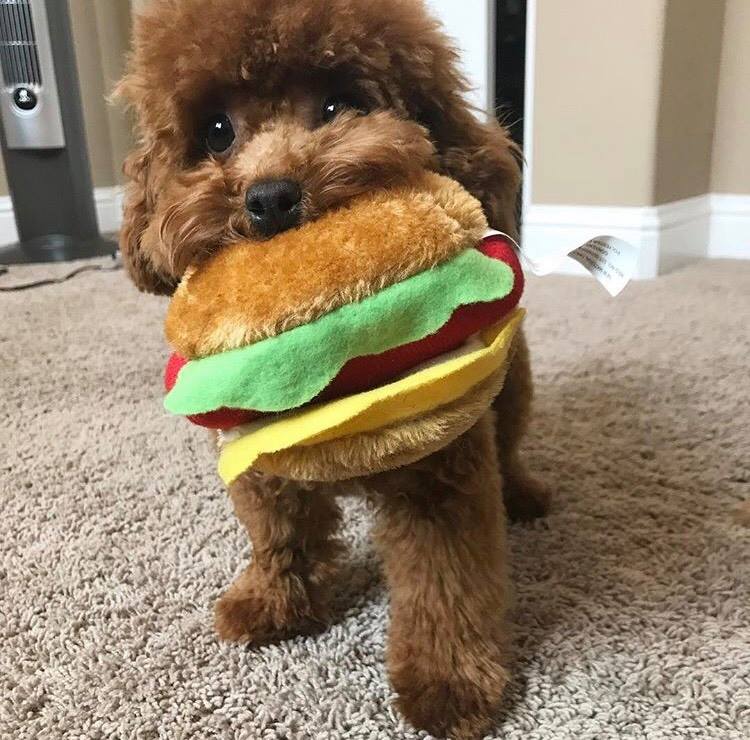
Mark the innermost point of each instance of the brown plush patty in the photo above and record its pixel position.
(250, 291)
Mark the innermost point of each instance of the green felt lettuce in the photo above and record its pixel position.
(292, 368)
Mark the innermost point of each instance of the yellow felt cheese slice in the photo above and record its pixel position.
(423, 390)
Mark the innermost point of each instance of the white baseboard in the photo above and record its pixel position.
(8, 233)
(730, 226)
(668, 235)
(108, 202)
(109, 208)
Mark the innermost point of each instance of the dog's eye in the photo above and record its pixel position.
(337, 104)
(218, 135)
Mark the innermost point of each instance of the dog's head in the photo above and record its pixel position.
(254, 116)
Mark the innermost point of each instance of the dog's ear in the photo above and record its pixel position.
(137, 211)
(140, 259)
(484, 159)
(476, 151)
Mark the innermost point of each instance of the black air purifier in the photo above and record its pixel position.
(43, 136)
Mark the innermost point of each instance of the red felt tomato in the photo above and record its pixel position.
(221, 418)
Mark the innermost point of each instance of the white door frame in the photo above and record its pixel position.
(528, 103)
(471, 24)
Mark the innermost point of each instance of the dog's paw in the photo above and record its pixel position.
(451, 707)
(243, 615)
(526, 498)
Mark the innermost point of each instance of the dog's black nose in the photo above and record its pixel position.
(274, 205)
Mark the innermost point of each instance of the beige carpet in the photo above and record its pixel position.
(633, 606)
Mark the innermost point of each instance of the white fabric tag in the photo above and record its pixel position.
(610, 260)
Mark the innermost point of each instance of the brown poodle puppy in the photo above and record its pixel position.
(253, 117)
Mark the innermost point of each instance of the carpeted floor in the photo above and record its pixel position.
(632, 606)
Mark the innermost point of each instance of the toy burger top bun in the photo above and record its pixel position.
(385, 310)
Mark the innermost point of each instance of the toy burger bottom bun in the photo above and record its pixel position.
(386, 427)
(397, 445)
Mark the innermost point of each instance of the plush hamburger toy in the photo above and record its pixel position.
(363, 340)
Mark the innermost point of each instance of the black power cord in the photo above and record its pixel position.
(55, 281)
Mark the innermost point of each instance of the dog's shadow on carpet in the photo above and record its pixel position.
(360, 583)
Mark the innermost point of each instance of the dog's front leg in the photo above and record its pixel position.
(284, 590)
(441, 532)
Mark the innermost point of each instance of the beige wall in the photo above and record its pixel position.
(597, 75)
(101, 29)
(93, 91)
(731, 145)
(626, 106)
(691, 58)
(113, 29)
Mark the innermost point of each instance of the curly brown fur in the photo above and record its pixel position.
(284, 590)
(441, 533)
(270, 66)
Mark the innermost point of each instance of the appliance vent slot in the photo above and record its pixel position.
(19, 56)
